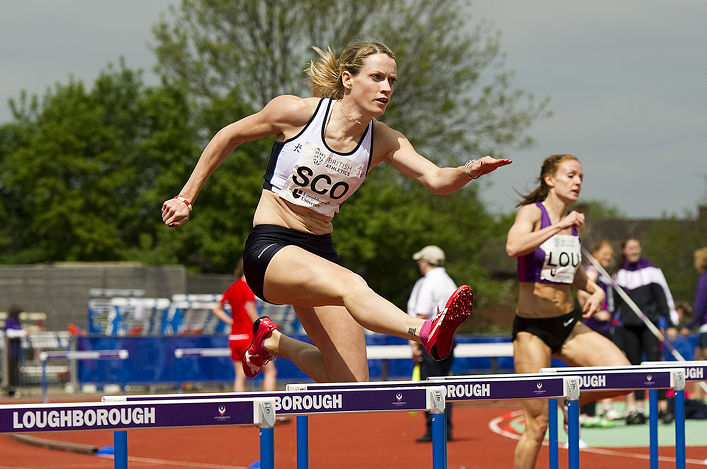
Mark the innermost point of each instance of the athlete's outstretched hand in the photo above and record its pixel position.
(175, 212)
(485, 165)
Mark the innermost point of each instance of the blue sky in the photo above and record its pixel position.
(627, 81)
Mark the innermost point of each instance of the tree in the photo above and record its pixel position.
(671, 244)
(447, 99)
(86, 170)
(453, 99)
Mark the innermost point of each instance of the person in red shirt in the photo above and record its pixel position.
(243, 315)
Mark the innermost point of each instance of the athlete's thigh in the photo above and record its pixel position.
(298, 277)
(584, 347)
(339, 338)
(530, 353)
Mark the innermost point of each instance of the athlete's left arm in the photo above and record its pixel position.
(596, 297)
(392, 146)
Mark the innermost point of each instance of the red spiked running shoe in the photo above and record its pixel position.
(437, 334)
(256, 356)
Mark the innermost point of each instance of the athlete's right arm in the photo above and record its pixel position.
(279, 116)
(522, 239)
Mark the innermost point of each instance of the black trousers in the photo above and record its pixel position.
(431, 367)
(640, 344)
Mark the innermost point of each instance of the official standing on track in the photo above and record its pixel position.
(429, 296)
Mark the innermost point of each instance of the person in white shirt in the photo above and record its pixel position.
(429, 295)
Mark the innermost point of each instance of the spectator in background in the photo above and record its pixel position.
(428, 296)
(601, 322)
(14, 334)
(243, 314)
(699, 309)
(645, 284)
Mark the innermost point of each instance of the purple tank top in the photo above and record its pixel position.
(555, 261)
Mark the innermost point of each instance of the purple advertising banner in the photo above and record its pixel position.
(476, 388)
(324, 401)
(614, 378)
(116, 416)
(480, 388)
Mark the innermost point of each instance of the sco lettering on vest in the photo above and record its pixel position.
(694, 373)
(37, 419)
(309, 402)
(594, 381)
(468, 390)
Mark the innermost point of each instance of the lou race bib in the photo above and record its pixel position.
(562, 257)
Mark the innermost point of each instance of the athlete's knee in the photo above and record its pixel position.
(353, 286)
(536, 427)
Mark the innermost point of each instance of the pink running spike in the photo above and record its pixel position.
(256, 356)
(437, 334)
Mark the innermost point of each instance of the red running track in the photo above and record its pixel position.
(341, 441)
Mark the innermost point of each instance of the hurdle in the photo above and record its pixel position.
(694, 371)
(77, 355)
(611, 378)
(482, 387)
(307, 402)
(119, 417)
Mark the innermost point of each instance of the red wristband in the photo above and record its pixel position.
(188, 204)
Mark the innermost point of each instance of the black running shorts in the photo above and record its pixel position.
(264, 241)
(552, 331)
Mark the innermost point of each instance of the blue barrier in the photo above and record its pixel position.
(153, 361)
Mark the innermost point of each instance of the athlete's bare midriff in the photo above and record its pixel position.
(542, 300)
(272, 210)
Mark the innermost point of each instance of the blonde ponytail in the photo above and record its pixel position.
(325, 73)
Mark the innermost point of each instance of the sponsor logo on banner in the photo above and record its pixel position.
(649, 380)
(399, 400)
(222, 417)
(539, 389)
(78, 418)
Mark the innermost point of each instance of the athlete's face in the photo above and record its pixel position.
(632, 250)
(373, 86)
(567, 180)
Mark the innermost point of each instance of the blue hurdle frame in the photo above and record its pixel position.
(676, 381)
